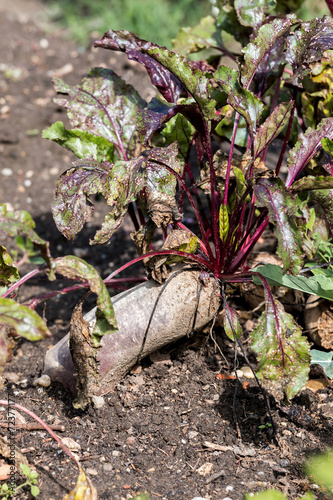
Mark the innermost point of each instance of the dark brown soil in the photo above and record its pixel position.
(169, 427)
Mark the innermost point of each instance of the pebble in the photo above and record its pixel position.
(43, 381)
(130, 440)
(12, 376)
(7, 172)
(116, 453)
(239, 373)
(192, 434)
(244, 451)
(98, 401)
(44, 43)
(199, 498)
(91, 472)
(247, 372)
(54, 171)
(71, 444)
(27, 182)
(107, 467)
(284, 462)
(29, 174)
(205, 469)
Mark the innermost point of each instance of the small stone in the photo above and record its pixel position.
(43, 381)
(116, 453)
(239, 374)
(199, 498)
(152, 469)
(206, 387)
(71, 444)
(247, 372)
(64, 70)
(130, 440)
(244, 451)
(12, 377)
(29, 174)
(54, 171)
(7, 172)
(44, 43)
(174, 391)
(27, 182)
(284, 462)
(205, 469)
(98, 401)
(80, 252)
(317, 384)
(91, 472)
(229, 488)
(136, 370)
(192, 434)
(107, 467)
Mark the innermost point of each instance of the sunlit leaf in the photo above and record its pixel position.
(19, 222)
(314, 285)
(75, 268)
(272, 127)
(83, 144)
(26, 323)
(223, 222)
(8, 271)
(307, 145)
(106, 106)
(257, 50)
(135, 48)
(253, 12)
(282, 209)
(282, 352)
(307, 44)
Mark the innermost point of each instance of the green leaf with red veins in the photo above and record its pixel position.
(252, 12)
(283, 353)
(272, 127)
(179, 130)
(83, 144)
(126, 180)
(255, 52)
(243, 101)
(77, 269)
(307, 145)
(282, 211)
(307, 44)
(26, 323)
(20, 223)
(194, 80)
(248, 105)
(72, 207)
(106, 106)
(159, 179)
(324, 198)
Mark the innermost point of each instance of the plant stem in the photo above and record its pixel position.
(189, 256)
(43, 424)
(24, 278)
(231, 152)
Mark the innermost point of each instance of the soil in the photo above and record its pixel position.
(174, 427)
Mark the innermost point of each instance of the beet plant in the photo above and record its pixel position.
(203, 144)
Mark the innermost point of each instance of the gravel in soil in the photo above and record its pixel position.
(169, 427)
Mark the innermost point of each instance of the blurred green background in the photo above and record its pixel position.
(154, 20)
